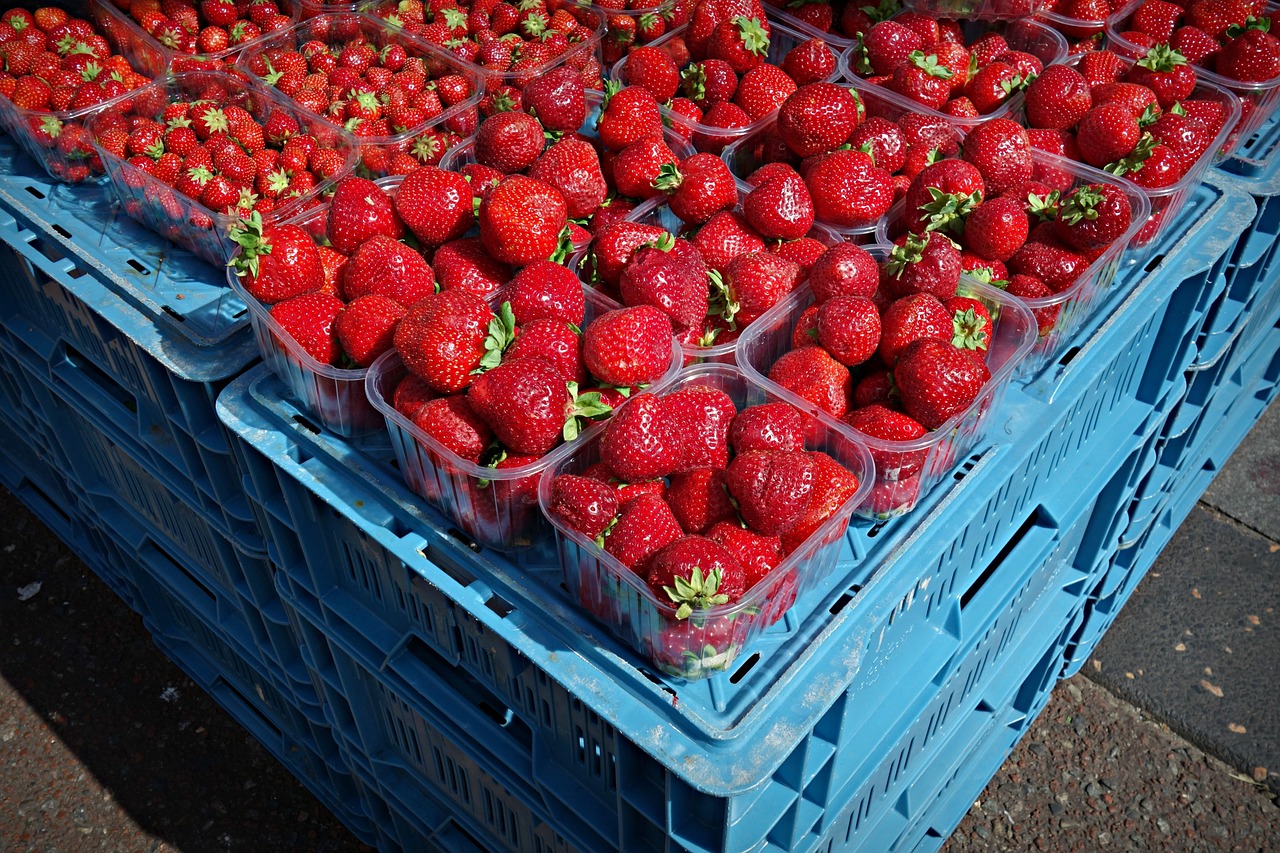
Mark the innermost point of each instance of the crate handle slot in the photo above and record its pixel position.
(1043, 532)
(100, 379)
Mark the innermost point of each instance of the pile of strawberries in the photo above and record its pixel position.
(1229, 37)
(199, 152)
(520, 39)
(207, 26)
(843, 18)
(702, 502)
(631, 23)
(715, 76)
(381, 88)
(927, 60)
(54, 64)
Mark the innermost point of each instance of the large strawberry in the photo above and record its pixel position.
(700, 499)
(389, 268)
(780, 208)
(1001, 150)
(642, 441)
(443, 339)
(572, 166)
(309, 320)
(359, 210)
(848, 189)
(544, 290)
(844, 269)
(753, 283)
(703, 415)
(528, 405)
(509, 142)
(1058, 98)
(773, 488)
(849, 328)
(454, 424)
(1251, 53)
(1093, 216)
(644, 525)
(767, 426)
(818, 117)
(937, 381)
(557, 99)
(694, 573)
(834, 486)
(628, 346)
(275, 262)
(521, 220)
(670, 278)
(812, 374)
(435, 205)
(698, 188)
(584, 504)
(366, 327)
(928, 263)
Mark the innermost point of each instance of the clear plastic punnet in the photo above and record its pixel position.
(907, 470)
(1258, 99)
(1059, 315)
(183, 219)
(497, 507)
(708, 640)
(986, 10)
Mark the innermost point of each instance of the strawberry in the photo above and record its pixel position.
(885, 46)
(740, 41)
(366, 327)
(1250, 54)
(910, 318)
(445, 336)
(452, 423)
(767, 426)
(997, 228)
(521, 220)
(709, 83)
(844, 270)
(704, 414)
(694, 573)
(1043, 257)
(780, 208)
(308, 319)
(700, 499)
(358, 210)
(557, 98)
(526, 403)
(545, 290)
(613, 247)
(773, 488)
(811, 61)
(1165, 71)
(1058, 98)
(410, 394)
(971, 324)
(812, 374)
(585, 505)
(509, 142)
(834, 486)
(753, 283)
(722, 117)
(642, 441)
(669, 278)
(880, 421)
(556, 342)
(724, 237)
(628, 346)
(1156, 18)
(818, 117)
(435, 205)
(937, 381)
(928, 263)
(628, 114)
(762, 91)
(1001, 151)
(653, 69)
(572, 166)
(757, 553)
(387, 267)
(992, 85)
(848, 189)
(923, 79)
(698, 188)
(463, 264)
(1106, 134)
(848, 327)
(1093, 216)
(644, 526)
(637, 167)
(275, 262)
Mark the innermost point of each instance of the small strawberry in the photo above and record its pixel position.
(642, 441)
(700, 499)
(644, 525)
(389, 268)
(848, 327)
(937, 381)
(905, 320)
(997, 228)
(546, 290)
(521, 220)
(844, 269)
(773, 488)
(698, 188)
(780, 208)
(358, 210)
(366, 327)
(585, 505)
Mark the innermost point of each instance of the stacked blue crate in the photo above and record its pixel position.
(421, 620)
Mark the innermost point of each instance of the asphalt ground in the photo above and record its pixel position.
(1170, 738)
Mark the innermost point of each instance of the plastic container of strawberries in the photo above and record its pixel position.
(907, 470)
(577, 56)
(1024, 35)
(341, 28)
(748, 153)
(151, 57)
(656, 211)
(984, 10)
(1074, 303)
(710, 639)
(783, 37)
(497, 508)
(184, 220)
(623, 27)
(777, 9)
(1258, 100)
(1078, 29)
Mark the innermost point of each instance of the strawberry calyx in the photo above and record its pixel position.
(664, 242)
(721, 302)
(948, 211)
(669, 178)
(862, 107)
(493, 456)
(693, 79)
(502, 331)
(587, 406)
(249, 235)
(752, 33)
(1150, 114)
(862, 60)
(564, 245)
(454, 18)
(1162, 58)
(611, 88)
(1015, 83)
(986, 276)
(929, 64)
(696, 592)
(51, 126)
(1082, 205)
(969, 330)
(1132, 162)
(1044, 208)
(1250, 23)
(910, 252)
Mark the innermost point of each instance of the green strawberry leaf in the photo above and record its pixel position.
(502, 331)
(669, 178)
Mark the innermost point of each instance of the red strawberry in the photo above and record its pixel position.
(463, 264)
(818, 117)
(992, 86)
(644, 526)
(885, 46)
(937, 381)
(366, 327)
(844, 270)
(554, 341)
(583, 504)
(435, 205)
(709, 83)
(629, 346)
(742, 42)
(762, 91)
(773, 488)
(572, 166)
(780, 208)
(527, 405)
(694, 573)
(928, 263)
(757, 553)
(812, 374)
(834, 486)
(1165, 71)
(443, 339)
(700, 499)
(753, 283)
(698, 188)
(1001, 151)
(637, 167)
(509, 142)
(703, 415)
(628, 115)
(886, 424)
(521, 220)
(921, 315)
(544, 290)
(275, 262)
(767, 426)
(848, 327)
(1251, 55)
(997, 228)
(1093, 216)
(923, 79)
(452, 422)
(653, 69)
(1054, 264)
(848, 189)
(810, 62)
(557, 98)
(309, 319)
(642, 441)
(971, 322)
(359, 210)
(669, 278)
(724, 237)
(388, 267)
(1106, 134)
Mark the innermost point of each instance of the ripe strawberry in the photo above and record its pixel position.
(1156, 18)
(811, 61)
(669, 278)
(812, 374)
(444, 337)
(544, 290)
(644, 526)
(848, 189)
(704, 414)
(699, 499)
(389, 268)
(628, 114)
(804, 251)
(757, 553)
(885, 46)
(1251, 54)
(1058, 98)
(653, 69)
(971, 322)
(928, 263)
(694, 573)
(525, 402)
(463, 264)
(767, 426)
(762, 91)
(753, 283)
(773, 488)
(834, 486)
(740, 41)
(910, 318)
(556, 342)
(308, 319)
(997, 228)
(359, 210)
(521, 220)
(922, 79)
(937, 381)
(642, 441)
(780, 208)
(583, 504)
(1106, 134)
(509, 142)
(724, 118)
(880, 421)
(435, 205)
(1165, 71)
(1046, 259)
(366, 327)
(637, 167)
(628, 346)
(698, 188)
(1093, 216)
(572, 166)
(452, 423)
(848, 327)
(724, 237)
(1001, 151)
(992, 85)
(818, 117)
(275, 262)
(844, 270)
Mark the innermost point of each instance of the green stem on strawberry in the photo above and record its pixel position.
(948, 211)
(669, 178)
(969, 330)
(589, 406)
(754, 37)
(564, 248)
(1133, 161)
(696, 592)
(502, 331)
(721, 302)
(248, 235)
(1044, 208)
